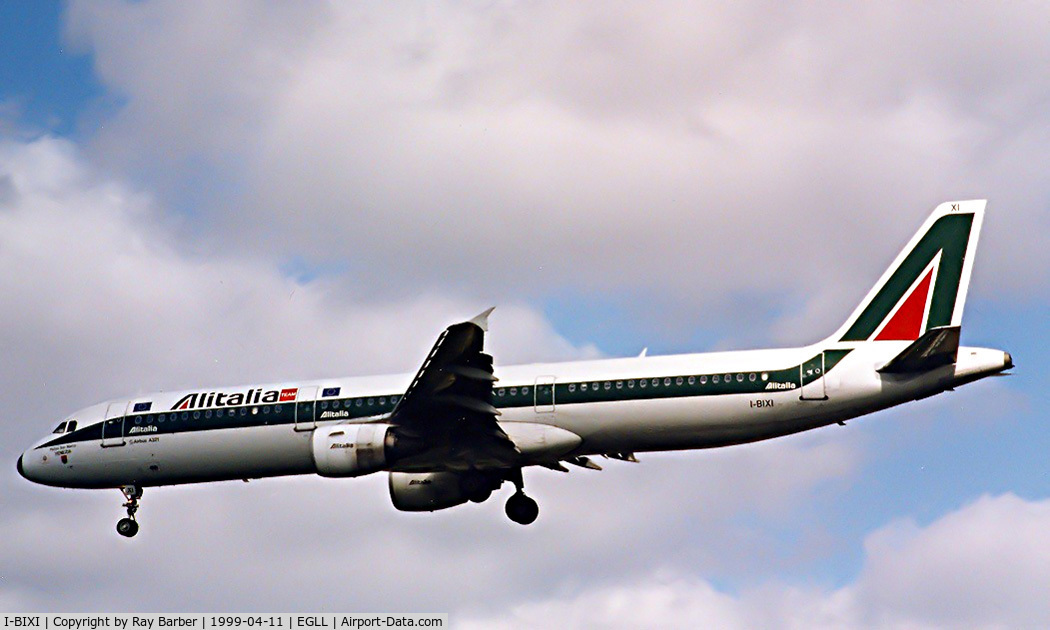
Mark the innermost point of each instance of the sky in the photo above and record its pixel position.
(197, 194)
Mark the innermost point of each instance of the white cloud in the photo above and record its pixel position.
(448, 157)
(984, 565)
(94, 275)
(104, 296)
(692, 153)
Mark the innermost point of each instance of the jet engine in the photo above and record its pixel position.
(426, 492)
(351, 450)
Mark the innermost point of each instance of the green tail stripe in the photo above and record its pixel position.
(949, 235)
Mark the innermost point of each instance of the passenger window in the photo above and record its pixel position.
(524, 390)
(255, 411)
(184, 416)
(619, 384)
(751, 377)
(583, 386)
(324, 404)
(160, 418)
(244, 411)
(714, 379)
(703, 380)
(277, 409)
(501, 391)
(138, 420)
(360, 402)
(765, 376)
(595, 386)
(656, 382)
(382, 401)
(572, 387)
(196, 415)
(608, 385)
(630, 384)
(172, 417)
(667, 382)
(513, 391)
(642, 383)
(739, 378)
(729, 378)
(678, 381)
(692, 380)
(207, 414)
(266, 409)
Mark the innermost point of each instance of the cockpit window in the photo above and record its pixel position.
(60, 428)
(72, 426)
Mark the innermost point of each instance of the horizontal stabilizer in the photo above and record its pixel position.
(935, 348)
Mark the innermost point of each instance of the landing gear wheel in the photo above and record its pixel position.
(127, 527)
(481, 496)
(522, 509)
(478, 485)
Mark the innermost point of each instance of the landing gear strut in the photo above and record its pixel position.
(128, 527)
(520, 508)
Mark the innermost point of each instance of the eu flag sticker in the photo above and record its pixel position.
(143, 406)
(330, 391)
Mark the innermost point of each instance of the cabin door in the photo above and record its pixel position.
(113, 425)
(811, 377)
(544, 394)
(305, 408)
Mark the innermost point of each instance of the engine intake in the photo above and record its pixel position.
(351, 450)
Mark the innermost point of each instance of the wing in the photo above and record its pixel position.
(448, 409)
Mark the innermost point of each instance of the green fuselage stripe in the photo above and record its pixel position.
(145, 425)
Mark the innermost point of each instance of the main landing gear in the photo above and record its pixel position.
(478, 485)
(128, 527)
(520, 508)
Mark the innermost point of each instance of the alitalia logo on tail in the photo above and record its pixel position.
(926, 285)
(905, 322)
(253, 396)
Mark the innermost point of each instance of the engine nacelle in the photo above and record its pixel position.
(351, 450)
(426, 492)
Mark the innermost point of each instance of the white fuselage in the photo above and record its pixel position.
(640, 404)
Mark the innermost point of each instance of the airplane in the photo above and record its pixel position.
(454, 432)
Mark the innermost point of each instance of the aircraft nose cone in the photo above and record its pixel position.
(21, 470)
(1008, 360)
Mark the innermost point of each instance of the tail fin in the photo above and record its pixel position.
(926, 285)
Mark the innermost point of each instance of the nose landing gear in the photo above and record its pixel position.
(128, 527)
